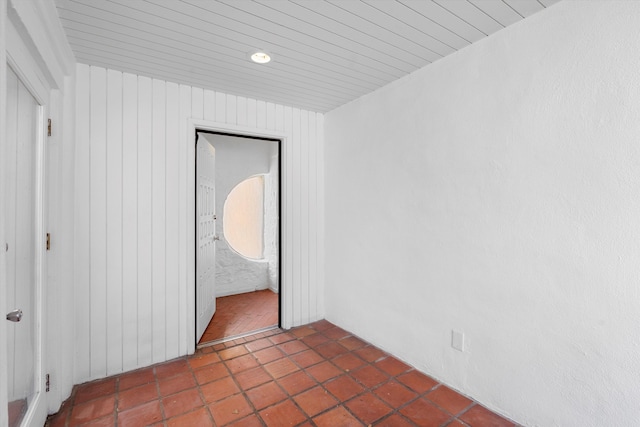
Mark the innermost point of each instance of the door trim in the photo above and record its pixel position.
(188, 304)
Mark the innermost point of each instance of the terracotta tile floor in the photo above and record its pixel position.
(242, 313)
(314, 375)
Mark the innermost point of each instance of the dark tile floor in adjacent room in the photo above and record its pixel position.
(242, 313)
(314, 375)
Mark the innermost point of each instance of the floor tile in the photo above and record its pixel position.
(108, 421)
(336, 333)
(219, 390)
(338, 417)
(142, 415)
(176, 383)
(315, 401)
(368, 408)
(479, 416)
(267, 355)
(296, 382)
(266, 395)
(182, 402)
(370, 353)
(282, 415)
(230, 353)
(324, 371)
(199, 417)
(203, 359)
(352, 343)
(293, 347)
(369, 376)
(137, 396)
(281, 368)
(136, 378)
(425, 414)
(95, 408)
(230, 409)
(394, 420)
(211, 373)
(331, 349)
(252, 377)
(449, 400)
(315, 340)
(241, 363)
(173, 368)
(303, 331)
(417, 381)
(259, 344)
(281, 338)
(395, 394)
(250, 421)
(315, 375)
(306, 358)
(344, 387)
(348, 362)
(392, 366)
(92, 390)
(242, 313)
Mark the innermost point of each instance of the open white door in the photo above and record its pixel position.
(205, 235)
(24, 245)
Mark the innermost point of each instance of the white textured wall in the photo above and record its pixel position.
(496, 192)
(131, 270)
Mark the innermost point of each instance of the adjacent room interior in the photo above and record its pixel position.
(247, 233)
(457, 231)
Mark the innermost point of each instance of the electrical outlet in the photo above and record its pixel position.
(457, 340)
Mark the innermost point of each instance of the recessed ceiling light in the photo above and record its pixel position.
(260, 57)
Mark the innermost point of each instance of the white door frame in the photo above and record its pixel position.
(189, 304)
(33, 78)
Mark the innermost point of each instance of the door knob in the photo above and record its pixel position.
(15, 315)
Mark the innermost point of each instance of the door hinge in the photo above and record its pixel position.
(48, 241)
(49, 127)
(47, 383)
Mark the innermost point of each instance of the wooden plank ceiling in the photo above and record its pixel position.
(325, 53)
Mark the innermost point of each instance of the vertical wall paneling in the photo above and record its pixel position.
(279, 125)
(82, 276)
(197, 103)
(242, 110)
(232, 108)
(209, 105)
(261, 115)
(172, 233)
(158, 218)
(252, 118)
(129, 221)
(271, 116)
(185, 111)
(145, 290)
(287, 211)
(221, 107)
(320, 196)
(97, 197)
(312, 217)
(304, 214)
(135, 156)
(114, 223)
(295, 220)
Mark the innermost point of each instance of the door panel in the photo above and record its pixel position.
(23, 335)
(205, 235)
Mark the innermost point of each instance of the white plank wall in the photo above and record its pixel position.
(131, 271)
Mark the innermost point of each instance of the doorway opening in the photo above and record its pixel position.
(237, 236)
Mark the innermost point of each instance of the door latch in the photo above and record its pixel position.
(14, 316)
